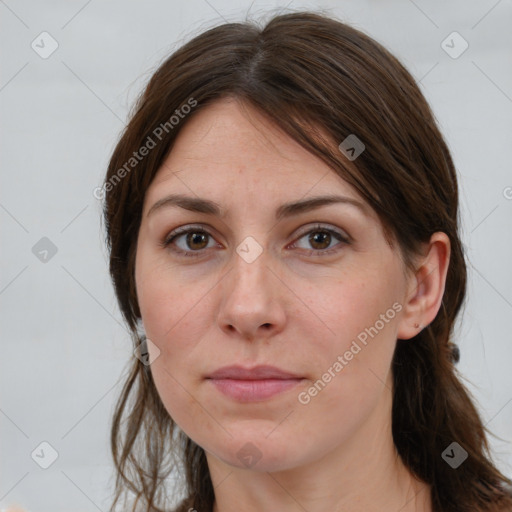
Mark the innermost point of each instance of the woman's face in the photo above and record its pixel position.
(315, 292)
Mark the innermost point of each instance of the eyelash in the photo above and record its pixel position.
(166, 243)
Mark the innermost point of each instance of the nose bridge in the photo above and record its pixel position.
(250, 268)
(249, 297)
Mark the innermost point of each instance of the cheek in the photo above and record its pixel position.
(169, 301)
(352, 357)
(170, 310)
(350, 304)
(181, 405)
(170, 305)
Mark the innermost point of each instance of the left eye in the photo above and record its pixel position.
(196, 240)
(320, 239)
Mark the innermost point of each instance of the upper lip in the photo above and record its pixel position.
(255, 373)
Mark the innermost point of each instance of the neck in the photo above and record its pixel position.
(315, 489)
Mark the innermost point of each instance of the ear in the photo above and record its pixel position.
(425, 287)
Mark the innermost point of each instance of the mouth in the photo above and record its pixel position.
(253, 385)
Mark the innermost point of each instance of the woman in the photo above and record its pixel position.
(282, 220)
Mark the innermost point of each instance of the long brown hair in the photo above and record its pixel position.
(319, 80)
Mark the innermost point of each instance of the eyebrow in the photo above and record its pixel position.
(201, 205)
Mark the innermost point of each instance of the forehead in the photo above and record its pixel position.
(229, 145)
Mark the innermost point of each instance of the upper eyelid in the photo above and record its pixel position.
(319, 226)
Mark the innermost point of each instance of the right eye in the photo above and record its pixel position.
(187, 241)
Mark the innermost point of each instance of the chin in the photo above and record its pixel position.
(257, 452)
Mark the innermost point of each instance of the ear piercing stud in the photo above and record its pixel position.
(417, 325)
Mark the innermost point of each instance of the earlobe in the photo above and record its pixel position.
(426, 290)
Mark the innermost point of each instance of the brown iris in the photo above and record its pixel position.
(197, 237)
(320, 237)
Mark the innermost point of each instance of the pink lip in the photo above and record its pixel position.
(255, 384)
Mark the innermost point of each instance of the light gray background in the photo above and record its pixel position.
(64, 347)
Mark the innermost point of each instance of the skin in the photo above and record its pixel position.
(291, 307)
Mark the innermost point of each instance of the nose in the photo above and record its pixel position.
(252, 299)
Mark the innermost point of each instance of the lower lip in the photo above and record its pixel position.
(253, 390)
